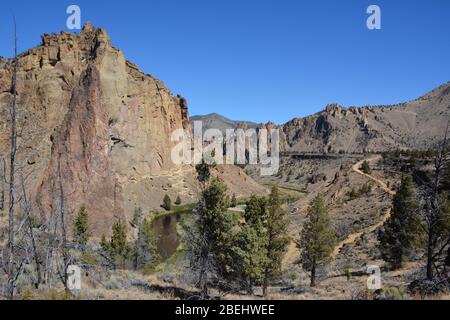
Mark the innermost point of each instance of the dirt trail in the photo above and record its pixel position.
(382, 185)
(355, 236)
(292, 253)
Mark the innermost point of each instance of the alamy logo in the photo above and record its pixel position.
(74, 20)
(236, 147)
(374, 279)
(73, 278)
(374, 20)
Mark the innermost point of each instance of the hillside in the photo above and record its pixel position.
(418, 124)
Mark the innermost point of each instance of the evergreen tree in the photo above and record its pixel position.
(353, 194)
(366, 167)
(277, 237)
(119, 248)
(251, 246)
(178, 201)
(445, 182)
(447, 258)
(203, 173)
(146, 253)
(402, 232)
(210, 234)
(234, 201)
(167, 203)
(317, 238)
(81, 228)
(105, 245)
(137, 217)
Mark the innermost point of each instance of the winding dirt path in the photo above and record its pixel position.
(292, 253)
(382, 185)
(355, 236)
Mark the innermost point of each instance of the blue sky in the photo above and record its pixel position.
(264, 60)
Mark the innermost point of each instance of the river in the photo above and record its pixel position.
(165, 231)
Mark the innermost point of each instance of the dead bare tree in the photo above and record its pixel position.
(50, 245)
(22, 247)
(57, 257)
(64, 247)
(27, 209)
(435, 213)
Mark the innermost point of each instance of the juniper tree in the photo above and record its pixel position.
(317, 238)
(105, 244)
(178, 201)
(146, 254)
(209, 235)
(402, 232)
(167, 203)
(234, 201)
(365, 167)
(447, 258)
(277, 237)
(203, 173)
(117, 249)
(250, 250)
(445, 182)
(137, 217)
(81, 228)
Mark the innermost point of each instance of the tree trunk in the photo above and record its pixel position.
(434, 212)
(430, 253)
(202, 279)
(202, 284)
(250, 291)
(37, 260)
(265, 283)
(36, 257)
(65, 253)
(313, 275)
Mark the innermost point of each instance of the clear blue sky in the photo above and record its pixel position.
(264, 60)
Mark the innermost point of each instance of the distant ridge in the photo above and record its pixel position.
(217, 121)
(417, 124)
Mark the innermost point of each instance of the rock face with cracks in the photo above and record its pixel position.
(92, 122)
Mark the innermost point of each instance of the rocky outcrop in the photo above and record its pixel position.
(94, 124)
(418, 124)
(81, 158)
(87, 110)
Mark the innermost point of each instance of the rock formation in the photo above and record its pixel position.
(92, 121)
(418, 124)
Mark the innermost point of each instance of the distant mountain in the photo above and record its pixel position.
(418, 124)
(217, 121)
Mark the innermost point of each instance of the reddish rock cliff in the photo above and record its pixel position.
(92, 116)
